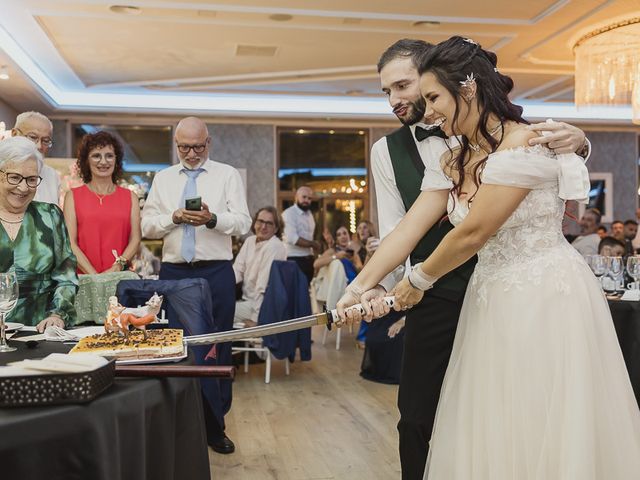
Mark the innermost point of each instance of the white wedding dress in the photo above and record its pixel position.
(536, 387)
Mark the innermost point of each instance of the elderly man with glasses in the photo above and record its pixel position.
(195, 207)
(38, 128)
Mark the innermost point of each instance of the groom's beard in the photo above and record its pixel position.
(304, 208)
(415, 112)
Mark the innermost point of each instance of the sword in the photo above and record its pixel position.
(328, 318)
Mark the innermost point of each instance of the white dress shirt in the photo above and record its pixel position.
(49, 189)
(252, 267)
(388, 199)
(298, 224)
(220, 187)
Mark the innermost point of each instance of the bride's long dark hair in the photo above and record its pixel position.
(452, 61)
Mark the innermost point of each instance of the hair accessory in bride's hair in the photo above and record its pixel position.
(472, 42)
(495, 69)
(469, 82)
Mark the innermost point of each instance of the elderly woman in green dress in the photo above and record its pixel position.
(34, 241)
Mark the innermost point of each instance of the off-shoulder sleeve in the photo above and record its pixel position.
(434, 177)
(522, 169)
(535, 170)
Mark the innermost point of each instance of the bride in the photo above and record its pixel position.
(536, 387)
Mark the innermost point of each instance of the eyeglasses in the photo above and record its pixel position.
(97, 157)
(196, 148)
(266, 223)
(46, 141)
(15, 179)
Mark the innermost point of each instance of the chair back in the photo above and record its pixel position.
(286, 297)
(188, 305)
(187, 301)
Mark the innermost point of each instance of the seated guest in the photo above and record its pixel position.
(252, 266)
(630, 232)
(587, 242)
(617, 230)
(366, 233)
(34, 241)
(344, 249)
(103, 219)
(602, 231)
(611, 247)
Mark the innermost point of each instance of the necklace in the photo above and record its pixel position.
(476, 146)
(12, 222)
(101, 197)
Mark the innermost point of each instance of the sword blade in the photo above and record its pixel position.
(259, 331)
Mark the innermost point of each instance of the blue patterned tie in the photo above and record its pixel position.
(188, 249)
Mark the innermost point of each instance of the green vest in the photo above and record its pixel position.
(408, 169)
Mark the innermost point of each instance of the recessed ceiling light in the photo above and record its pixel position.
(361, 132)
(280, 17)
(426, 23)
(354, 92)
(331, 132)
(4, 73)
(301, 131)
(125, 9)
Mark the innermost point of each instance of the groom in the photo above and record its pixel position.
(397, 163)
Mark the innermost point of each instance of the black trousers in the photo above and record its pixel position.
(428, 340)
(305, 264)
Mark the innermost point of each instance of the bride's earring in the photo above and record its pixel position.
(469, 87)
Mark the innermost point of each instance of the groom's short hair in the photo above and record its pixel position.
(405, 48)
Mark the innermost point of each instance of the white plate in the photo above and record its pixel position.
(13, 326)
(142, 361)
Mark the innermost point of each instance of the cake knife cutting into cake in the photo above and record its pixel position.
(328, 318)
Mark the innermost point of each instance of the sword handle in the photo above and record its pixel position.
(390, 301)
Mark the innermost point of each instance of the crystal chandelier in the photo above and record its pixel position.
(608, 66)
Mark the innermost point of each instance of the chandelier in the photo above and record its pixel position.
(608, 66)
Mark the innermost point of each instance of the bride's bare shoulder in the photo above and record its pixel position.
(516, 135)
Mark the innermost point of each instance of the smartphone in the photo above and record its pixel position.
(193, 203)
(349, 251)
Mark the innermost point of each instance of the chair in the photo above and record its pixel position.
(329, 285)
(286, 297)
(188, 303)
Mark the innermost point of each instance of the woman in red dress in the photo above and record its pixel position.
(103, 219)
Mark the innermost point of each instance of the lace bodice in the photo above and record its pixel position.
(531, 239)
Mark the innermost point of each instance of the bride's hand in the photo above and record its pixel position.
(406, 295)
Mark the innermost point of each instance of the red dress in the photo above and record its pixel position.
(102, 226)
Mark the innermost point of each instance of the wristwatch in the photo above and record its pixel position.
(585, 150)
(211, 224)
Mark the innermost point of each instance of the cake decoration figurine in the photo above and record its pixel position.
(119, 318)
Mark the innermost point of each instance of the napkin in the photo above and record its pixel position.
(631, 295)
(57, 334)
(55, 363)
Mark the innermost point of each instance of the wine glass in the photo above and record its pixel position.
(8, 300)
(598, 265)
(633, 269)
(616, 267)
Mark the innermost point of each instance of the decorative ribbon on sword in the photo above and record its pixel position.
(328, 318)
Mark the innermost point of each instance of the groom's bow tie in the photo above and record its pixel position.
(422, 133)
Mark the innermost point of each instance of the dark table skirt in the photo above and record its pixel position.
(138, 429)
(626, 319)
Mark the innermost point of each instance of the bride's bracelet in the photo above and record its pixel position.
(420, 280)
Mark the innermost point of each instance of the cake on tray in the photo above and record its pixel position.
(160, 343)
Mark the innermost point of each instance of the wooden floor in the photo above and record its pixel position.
(322, 422)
